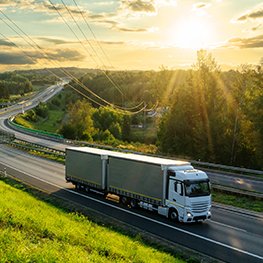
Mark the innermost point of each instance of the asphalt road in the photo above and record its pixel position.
(231, 235)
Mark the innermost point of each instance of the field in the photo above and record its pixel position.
(32, 230)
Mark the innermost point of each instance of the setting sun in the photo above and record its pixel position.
(191, 34)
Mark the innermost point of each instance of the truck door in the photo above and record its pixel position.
(176, 194)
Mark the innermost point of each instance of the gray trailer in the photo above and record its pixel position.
(137, 179)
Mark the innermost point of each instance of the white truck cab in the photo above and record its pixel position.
(188, 195)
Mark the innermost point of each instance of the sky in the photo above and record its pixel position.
(128, 34)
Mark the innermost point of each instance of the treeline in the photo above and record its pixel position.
(11, 83)
(127, 88)
(51, 73)
(210, 115)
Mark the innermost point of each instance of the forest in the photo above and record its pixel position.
(11, 83)
(209, 115)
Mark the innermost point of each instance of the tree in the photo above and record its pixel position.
(42, 110)
(79, 116)
(194, 125)
(4, 93)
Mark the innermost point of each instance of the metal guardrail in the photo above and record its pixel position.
(62, 154)
(50, 152)
(197, 163)
(41, 146)
(6, 136)
(237, 191)
(41, 134)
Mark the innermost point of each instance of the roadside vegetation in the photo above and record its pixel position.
(61, 234)
(237, 200)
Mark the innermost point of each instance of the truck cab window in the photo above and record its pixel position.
(178, 188)
(197, 189)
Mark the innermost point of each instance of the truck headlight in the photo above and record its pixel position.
(209, 213)
(189, 214)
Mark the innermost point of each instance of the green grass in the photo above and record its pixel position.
(38, 87)
(53, 122)
(32, 230)
(245, 202)
(50, 125)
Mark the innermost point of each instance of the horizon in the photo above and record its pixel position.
(130, 35)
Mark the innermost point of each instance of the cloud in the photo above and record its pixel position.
(123, 29)
(103, 3)
(46, 6)
(141, 6)
(6, 43)
(110, 42)
(67, 54)
(117, 26)
(199, 8)
(55, 41)
(256, 13)
(14, 59)
(166, 3)
(245, 43)
(252, 29)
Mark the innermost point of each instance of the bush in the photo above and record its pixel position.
(31, 116)
(42, 110)
(68, 131)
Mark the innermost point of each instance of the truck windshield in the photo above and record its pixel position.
(196, 188)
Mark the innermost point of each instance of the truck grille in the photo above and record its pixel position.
(199, 207)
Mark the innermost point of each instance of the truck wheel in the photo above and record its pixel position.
(173, 215)
(86, 189)
(124, 200)
(77, 186)
(134, 203)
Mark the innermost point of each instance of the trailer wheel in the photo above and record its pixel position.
(173, 215)
(134, 203)
(124, 200)
(77, 186)
(86, 189)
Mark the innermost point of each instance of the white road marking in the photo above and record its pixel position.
(141, 216)
(244, 215)
(236, 228)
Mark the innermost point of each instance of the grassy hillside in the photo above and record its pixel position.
(32, 230)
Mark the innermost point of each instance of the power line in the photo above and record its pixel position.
(81, 41)
(96, 39)
(92, 33)
(35, 60)
(86, 49)
(63, 70)
(43, 52)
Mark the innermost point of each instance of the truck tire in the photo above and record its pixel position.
(77, 186)
(173, 215)
(134, 203)
(124, 200)
(86, 189)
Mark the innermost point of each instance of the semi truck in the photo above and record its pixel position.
(172, 188)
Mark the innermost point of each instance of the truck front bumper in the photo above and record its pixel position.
(195, 218)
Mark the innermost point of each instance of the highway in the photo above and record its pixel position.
(232, 235)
